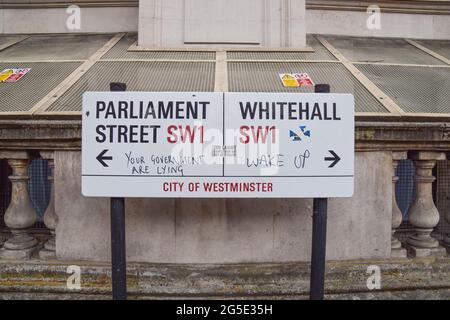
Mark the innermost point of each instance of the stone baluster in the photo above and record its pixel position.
(396, 247)
(50, 217)
(20, 215)
(423, 214)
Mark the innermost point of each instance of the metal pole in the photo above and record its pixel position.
(118, 251)
(319, 236)
(319, 243)
(118, 247)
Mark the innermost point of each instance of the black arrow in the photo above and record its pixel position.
(101, 158)
(335, 158)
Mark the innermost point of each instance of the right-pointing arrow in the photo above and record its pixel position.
(335, 158)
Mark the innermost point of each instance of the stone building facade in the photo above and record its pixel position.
(399, 75)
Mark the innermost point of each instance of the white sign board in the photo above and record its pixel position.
(214, 145)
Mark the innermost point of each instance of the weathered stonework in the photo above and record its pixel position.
(226, 231)
(426, 278)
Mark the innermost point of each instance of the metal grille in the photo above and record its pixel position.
(139, 76)
(119, 51)
(25, 93)
(405, 193)
(61, 47)
(414, 89)
(264, 77)
(5, 189)
(320, 53)
(381, 50)
(443, 196)
(39, 186)
(405, 187)
(438, 46)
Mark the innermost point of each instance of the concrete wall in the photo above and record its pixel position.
(269, 23)
(265, 24)
(114, 19)
(354, 23)
(225, 231)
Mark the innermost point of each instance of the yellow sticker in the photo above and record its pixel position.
(5, 74)
(289, 80)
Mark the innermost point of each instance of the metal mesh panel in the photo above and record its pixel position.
(439, 46)
(25, 93)
(55, 47)
(139, 76)
(119, 51)
(443, 196)
(405, 193)
(414, 89)
(405, 186)
(381, 50)
(320, 53)
(264, 77)
(39, 187)
(5, 189)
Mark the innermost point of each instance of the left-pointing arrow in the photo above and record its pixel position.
(101, 158)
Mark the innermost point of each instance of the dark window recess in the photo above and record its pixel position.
(5, 189)
(442, 197)
(405, 187)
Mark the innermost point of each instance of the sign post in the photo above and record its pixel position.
(319, 233)
(118, 243)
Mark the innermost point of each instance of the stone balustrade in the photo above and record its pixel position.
(20, 215)
(423, 214)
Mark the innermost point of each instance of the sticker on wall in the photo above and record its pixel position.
(288, 80)
(304, 80)
(296, 80)
(13, 75)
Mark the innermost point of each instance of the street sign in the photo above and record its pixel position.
(213, 145)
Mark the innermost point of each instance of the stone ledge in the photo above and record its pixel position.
(369, 136)
(391, 6)
(50, 4)
(402, 278)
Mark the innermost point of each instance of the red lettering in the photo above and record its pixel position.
(244, 136)
(172, 136)
(259, 134)
(187, 134)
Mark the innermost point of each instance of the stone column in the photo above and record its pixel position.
(396, 247)
(20, 215)
(50, 217)
(423, 214)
